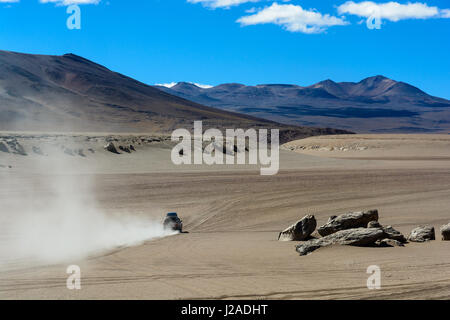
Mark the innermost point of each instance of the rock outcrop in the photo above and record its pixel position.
(299, 231)
(445, 231)
(348, 221)
(355, 229)
(352, 237)
(111, 148)
(422, 234)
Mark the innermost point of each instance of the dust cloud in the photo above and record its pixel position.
(49, 217)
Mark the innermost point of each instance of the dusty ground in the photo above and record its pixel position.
(411, 147)
(233, 216)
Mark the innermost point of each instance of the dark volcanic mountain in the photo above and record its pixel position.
(375, 104)
(70, 93)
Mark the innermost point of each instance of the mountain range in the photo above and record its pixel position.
(376, 104)
(71, 93)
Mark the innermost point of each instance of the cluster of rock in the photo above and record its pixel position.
(133, 140)
(225, 148)
(129, 144)
(72, 145)
(112, 148)
(328, 148)
(13, 146)
(150, 139)
(354, 229)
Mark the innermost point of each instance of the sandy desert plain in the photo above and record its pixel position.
(70, 202)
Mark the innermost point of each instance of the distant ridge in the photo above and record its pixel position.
(71, 93)
(375, 104)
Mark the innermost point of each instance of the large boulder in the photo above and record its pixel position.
(348, 221)
(445, 231)
(299, 231)
(422, 234)
(352, 237)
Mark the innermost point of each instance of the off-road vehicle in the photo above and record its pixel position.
(173, 222)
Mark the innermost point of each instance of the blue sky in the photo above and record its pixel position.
(253, 42)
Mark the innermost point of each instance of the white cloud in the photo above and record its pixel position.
(69, 2)
(293, 18)
(392, 11)
(8, 1)
(221, 3)
(445, 13)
